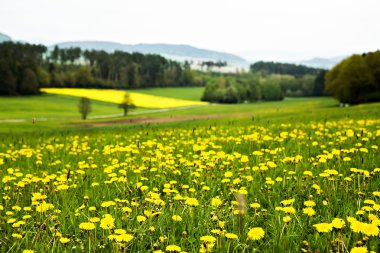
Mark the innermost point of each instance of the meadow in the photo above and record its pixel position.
(293, 176)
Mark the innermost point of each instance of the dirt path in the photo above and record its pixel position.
(162, 119)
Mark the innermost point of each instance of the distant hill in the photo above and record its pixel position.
(324, 63)
(183, 52)
(4, 37)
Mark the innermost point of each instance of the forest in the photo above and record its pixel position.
(25, 68)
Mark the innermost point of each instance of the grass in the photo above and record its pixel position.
(50, 106)
(291, 109)
(222, 177)
(186, 93)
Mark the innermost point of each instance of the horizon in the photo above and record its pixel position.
(271, 30)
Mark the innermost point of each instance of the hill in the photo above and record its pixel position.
(4, 37)
(323, 63)
(184, 52)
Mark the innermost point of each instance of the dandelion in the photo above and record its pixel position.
(191, 202)
(231, 236)
(107, 222)
(173, 248)
(141, 218)
(309, 203)
(64, 240)
(309, 211)
(286, 219)
(208, 239)
(87, 226)
(255, 234)
(359, 250)
(176, 218)
(216, 202)
(323, 227)
(338, 223)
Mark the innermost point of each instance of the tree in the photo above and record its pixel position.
(351, 81)
(84, 107)
(29, 83)
(127, 103)
(7, 80)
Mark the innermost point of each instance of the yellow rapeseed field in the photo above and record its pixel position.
(116, 96)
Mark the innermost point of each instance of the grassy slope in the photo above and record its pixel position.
(187, 93)
(295, 109)
(49, 106)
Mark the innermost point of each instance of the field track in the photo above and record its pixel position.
(161, 119)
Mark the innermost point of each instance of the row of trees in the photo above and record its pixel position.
(24, 68)
(282, 68)
(246, 88)
(258, 86)
(356, 79)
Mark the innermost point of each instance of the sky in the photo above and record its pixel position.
(284, 30)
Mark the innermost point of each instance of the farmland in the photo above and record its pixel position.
(299, 175)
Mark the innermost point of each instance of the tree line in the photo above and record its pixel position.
(265, 82)
(24, 68)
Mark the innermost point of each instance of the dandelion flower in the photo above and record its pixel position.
(359, 250)
(173, 248)
(231, 236)
(323, 227)
(87, 226)
(256, 233)
(176, 218)
(107, 222)
(208, 239)
(309, 211)
(64, 240)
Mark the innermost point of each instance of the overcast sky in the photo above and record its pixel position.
(265, 28)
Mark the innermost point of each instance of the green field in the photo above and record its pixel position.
(63, 110)
(51, 106)
(300, 175)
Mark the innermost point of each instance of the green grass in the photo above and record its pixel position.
(186, 93)
(50, 106)
(291, 109)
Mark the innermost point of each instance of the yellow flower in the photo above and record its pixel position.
(255, 205)
(120, 231)
(338, 223)
(173, 248)
(370, 230)
(94, 219)
(176, 218)
(141, 218)
(64, 240)
(87, 226)
(107, 222)
(309, 211)
(255, 233)
(359, 250)
(216, 201)
(43, 207)
(231, 236)
(323, 227)
(28, 251)
(124, 238)
(15, 235)
(208, 239)
(309, 203)
(286, 219)
(192, 202)
(287, 202)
